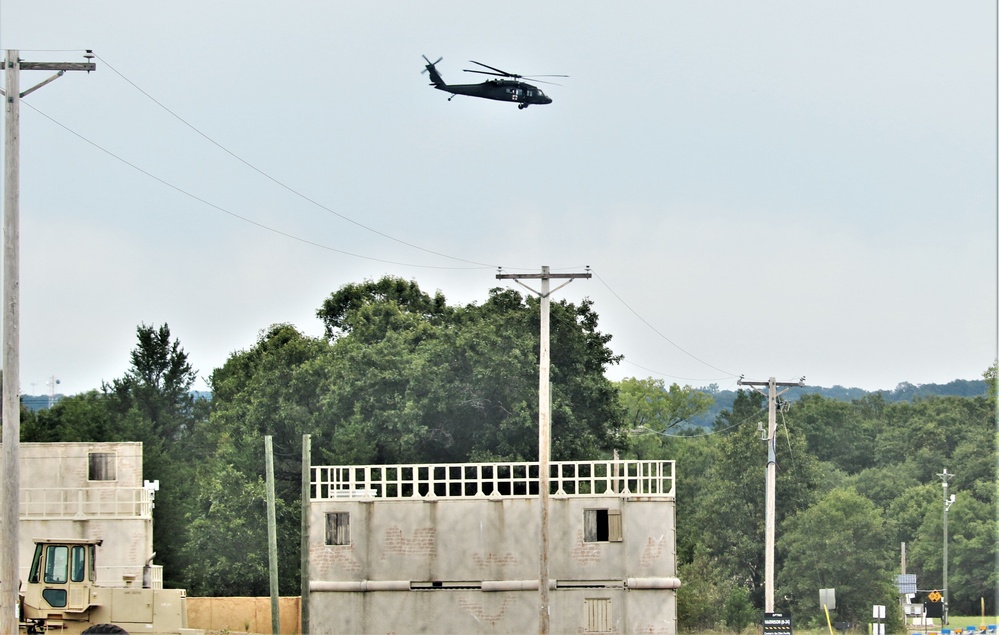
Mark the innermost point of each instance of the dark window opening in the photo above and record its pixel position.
(602, 525)
(102, 467)
(338, 528)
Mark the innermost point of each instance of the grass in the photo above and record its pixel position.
(956, 622)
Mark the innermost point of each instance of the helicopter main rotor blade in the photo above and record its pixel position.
(468, 70)
(493, 68)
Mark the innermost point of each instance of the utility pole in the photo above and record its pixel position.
(11, 434)
(272, 555)
(771, 503)
(306, 527)
(948, 501)
(544, 420)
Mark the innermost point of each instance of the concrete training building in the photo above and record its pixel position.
(454, 548)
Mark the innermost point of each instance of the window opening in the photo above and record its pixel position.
(36, 570)
(79, 563)
(338, 528)
(602, 525)
(102, 466)
(55, 597)
(56, 564)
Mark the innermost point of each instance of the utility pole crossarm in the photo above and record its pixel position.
(541, 276)
(53, 66)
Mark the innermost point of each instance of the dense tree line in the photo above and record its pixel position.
(401, 376)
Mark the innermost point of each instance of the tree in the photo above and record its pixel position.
(83, 417)
(152, 404)
(278, 388)
(650, 405)
(840, 542)
(836, 431)
(417, 380)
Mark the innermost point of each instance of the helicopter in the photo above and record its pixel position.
(509, 88)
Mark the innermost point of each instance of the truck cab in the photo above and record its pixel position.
(61, 594)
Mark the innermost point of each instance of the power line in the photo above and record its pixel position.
(234, 214)
(278, 181)
(657, 332)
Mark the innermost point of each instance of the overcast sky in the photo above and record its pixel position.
(762, 188)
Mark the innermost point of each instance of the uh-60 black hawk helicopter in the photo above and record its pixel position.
(510, 88)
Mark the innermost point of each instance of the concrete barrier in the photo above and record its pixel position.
(243, 615)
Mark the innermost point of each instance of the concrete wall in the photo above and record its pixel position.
(413, 544)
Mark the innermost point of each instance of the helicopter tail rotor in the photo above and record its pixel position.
(430, 64)
(436, 80)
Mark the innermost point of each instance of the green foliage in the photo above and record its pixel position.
(703, 590)
(738, 610)
(651, 406)
(152, 403)
(841, 543)
(83, 417)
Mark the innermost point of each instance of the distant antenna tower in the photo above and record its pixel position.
(53, 382)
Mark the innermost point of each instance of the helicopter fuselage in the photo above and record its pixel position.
(522, 93)
(507, 88)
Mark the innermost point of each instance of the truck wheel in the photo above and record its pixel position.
(105, 629)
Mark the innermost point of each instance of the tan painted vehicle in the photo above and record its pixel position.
(61, 595)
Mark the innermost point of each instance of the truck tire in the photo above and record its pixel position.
(105, 629)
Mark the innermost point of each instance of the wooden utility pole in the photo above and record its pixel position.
(306, 528)
(272, 555)
(544, 421)
(771, 503)
(11, 408)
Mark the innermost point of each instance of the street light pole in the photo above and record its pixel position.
(948, 501)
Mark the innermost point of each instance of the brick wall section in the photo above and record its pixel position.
(423, 544)
(491, 560)
(585, 552)
(653, 550)
(334, 558)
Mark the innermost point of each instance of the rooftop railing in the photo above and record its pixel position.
(84, 502)
(493, 480)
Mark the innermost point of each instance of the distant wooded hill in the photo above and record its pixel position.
(723, 399)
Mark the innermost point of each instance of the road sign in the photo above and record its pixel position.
(777, 624)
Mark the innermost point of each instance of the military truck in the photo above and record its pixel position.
(61, 595)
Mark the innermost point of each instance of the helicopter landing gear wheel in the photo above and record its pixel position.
(521, 106)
